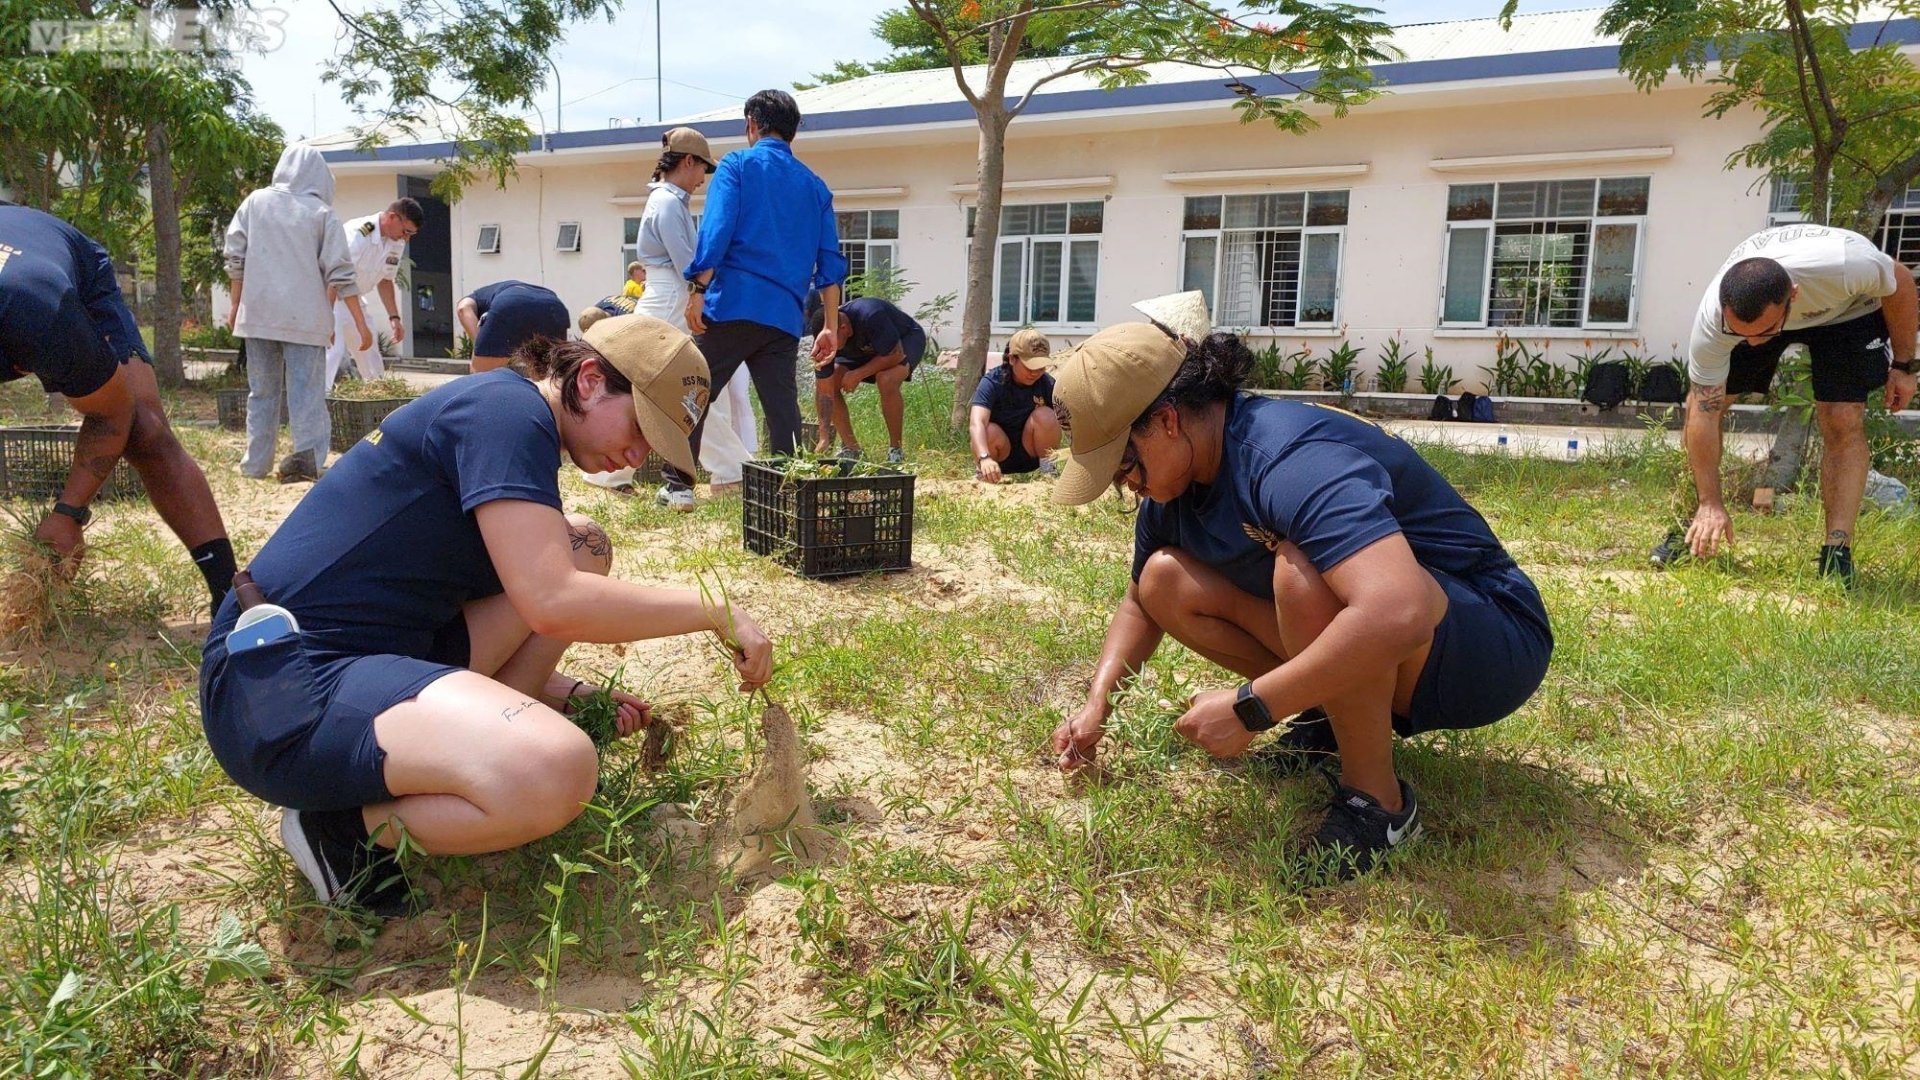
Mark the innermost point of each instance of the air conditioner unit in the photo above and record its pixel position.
(568, 238)
(489, 240)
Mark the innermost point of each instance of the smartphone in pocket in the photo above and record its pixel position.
(259, 625)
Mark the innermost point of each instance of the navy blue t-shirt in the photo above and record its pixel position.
(1008, 403)
(877, 329)
(384, 550)
(61, 315)
(486, 296)
(1326, 481)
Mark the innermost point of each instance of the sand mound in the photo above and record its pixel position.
(772, 815)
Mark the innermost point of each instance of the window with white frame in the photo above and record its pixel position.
(630, 244)
(1783, 203)
(1900, 229)
(870, 239)
(1544, 254)
(1047, 267)
(1266, 260)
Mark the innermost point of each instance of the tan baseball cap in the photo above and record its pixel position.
(1031, 346)
(1183, 314)
(685, 140)
(1100, 388)
(669, 376)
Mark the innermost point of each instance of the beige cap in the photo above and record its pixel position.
(685, 140)
(1183, 313)
(1030, 345)
(669, 376)
(1100, 388)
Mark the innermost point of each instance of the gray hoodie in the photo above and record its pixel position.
(287, 246)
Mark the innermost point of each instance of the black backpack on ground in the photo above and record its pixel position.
(1463, 408)
(1663, 384)
(1442, 408)
(1608, 384)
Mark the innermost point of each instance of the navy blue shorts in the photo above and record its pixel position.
(1017, 459)
(1489, 653)
(913, 349)
(293, 725)
(513, 320)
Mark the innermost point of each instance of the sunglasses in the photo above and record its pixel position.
(1786, 312)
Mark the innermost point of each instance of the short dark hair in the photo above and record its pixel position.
(546, 358)
(774, 113)
(1214, 371)
(1751, 286)
(816, 314)
(410, 210)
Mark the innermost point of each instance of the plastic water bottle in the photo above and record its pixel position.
(1573, 447)
(1501, 443)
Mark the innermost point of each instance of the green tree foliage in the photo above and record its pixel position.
(416, 63)
(1290, 63)
(916, 47)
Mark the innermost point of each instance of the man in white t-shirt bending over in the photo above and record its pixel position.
(1856, 311)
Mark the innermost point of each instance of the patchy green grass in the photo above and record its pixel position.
(1693, 854)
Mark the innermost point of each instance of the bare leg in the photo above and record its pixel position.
(480, 764)
(1042, 433)
(826, 394)
(893, 406)
(1362, 717)
(173, 479)
(998, 444)
(1844, 460)
(1209, 614)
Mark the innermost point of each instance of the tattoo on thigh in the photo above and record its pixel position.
(1709, 399)
(509, 713)
(593, 538)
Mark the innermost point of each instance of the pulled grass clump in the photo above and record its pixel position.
(373, 389)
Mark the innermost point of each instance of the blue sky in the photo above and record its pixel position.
(717, 53)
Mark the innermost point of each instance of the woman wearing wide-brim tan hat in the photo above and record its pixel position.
(436, 583)
(1305, 549)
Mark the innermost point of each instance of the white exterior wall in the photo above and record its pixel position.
(1392, 252)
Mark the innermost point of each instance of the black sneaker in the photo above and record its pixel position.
(299, 468)
(342, 865)
(1836, 561)
(1358, 833)
(1672, 549)
(1304, 743)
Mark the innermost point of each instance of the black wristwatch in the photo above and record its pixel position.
(80, 514)
(1253, 713)
(1903, 366)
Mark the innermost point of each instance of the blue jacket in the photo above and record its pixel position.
(768, 234)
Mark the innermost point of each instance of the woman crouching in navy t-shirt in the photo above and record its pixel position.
(1307, 550)
(436, 584)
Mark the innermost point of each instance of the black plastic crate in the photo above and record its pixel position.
(353, 420)
(828, 526)
(231, 408)
(35, 461)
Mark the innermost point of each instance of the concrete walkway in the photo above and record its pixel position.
(1553, 441)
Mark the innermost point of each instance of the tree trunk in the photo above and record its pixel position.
(976, 323)
(167, 366)
(1789, 453)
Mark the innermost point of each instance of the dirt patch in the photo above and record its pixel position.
(772, 818)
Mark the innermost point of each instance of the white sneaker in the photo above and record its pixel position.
(679, 500)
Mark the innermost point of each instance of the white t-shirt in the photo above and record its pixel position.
(1840, 273)
(375, 258)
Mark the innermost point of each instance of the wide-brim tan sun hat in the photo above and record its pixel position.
(1100, 387)
(1183, 314)
(670, 379)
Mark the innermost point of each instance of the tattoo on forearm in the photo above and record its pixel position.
(509, 713)
(88, 451)
(591, 537)
(1709, 399)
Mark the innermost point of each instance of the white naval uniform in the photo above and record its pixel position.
(375, 259)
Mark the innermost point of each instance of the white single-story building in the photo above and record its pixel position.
(1509, 182)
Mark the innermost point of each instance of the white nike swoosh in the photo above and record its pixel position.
(208, 557)
(1407, 832)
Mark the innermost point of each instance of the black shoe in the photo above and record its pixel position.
(1672, 549)
(299, 468)
(1836, 561)
(342, 865)
(1304, 743)
(1358, 833)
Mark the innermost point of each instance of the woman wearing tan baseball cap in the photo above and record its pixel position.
(434, 583)
(1307, 550)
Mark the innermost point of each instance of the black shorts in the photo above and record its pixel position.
(1849, 359)
(513, 321)
(913, 348)
(1490, 653)
(1017, 459)
(293, 725)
